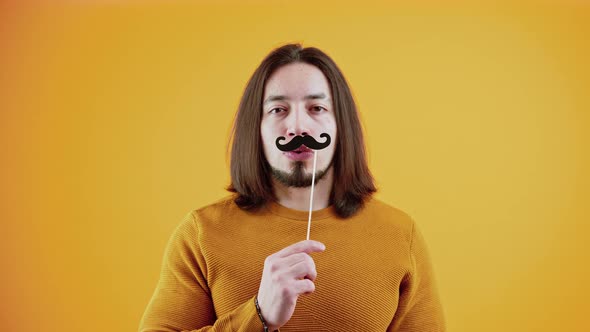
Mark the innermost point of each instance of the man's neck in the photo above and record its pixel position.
(298, 198)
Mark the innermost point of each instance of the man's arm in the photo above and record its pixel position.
(419, 308)
(182, 299)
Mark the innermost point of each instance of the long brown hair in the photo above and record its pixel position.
(250, 171)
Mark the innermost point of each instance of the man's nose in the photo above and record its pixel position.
(298, 123)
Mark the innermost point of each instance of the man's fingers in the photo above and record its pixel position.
(294, 259)
(304, 286)
(306, 246)
(304, 269)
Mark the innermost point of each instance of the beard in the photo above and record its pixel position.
(297, 177)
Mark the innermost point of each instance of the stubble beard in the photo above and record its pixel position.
(296, 177)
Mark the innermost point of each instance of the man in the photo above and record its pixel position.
(242, 264)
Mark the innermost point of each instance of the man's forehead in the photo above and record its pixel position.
(297, 81)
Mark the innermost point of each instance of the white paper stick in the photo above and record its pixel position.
(315, 154)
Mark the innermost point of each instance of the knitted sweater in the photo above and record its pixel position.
(375, 274)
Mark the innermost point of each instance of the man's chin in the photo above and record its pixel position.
(296, 177)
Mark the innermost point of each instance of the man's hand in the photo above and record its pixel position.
(287, 274)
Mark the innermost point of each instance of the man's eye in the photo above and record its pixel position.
(276, 109)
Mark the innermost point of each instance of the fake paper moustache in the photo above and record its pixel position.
(311, 143)
(306, 140)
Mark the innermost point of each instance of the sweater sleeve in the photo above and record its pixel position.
(419, 308)
(182, 299)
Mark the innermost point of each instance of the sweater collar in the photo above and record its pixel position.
(275, 208)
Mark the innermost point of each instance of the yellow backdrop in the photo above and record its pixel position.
(114, 119)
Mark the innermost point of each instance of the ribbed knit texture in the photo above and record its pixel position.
(375, 274)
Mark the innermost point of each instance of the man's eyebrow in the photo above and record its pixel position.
(280, 97)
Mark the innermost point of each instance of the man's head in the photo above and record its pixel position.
(297, 102)
(298, 91)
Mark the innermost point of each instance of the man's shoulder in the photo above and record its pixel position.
(387, 213)
(217, 209)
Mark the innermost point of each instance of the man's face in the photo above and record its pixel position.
(297, 101)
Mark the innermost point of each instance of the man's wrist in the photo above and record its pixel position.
(267, 328)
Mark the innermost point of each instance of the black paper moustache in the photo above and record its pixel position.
(306, 140)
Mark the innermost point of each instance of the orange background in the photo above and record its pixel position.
(114, 119)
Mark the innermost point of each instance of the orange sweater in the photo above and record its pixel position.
(375, 274)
